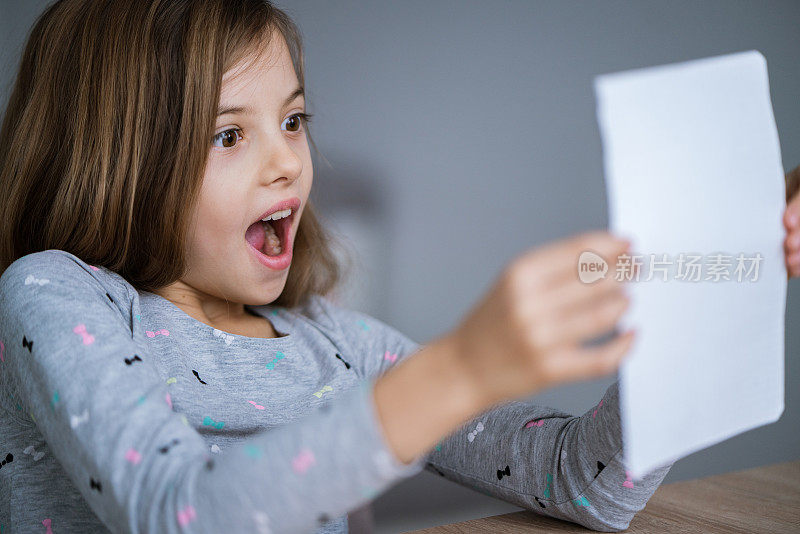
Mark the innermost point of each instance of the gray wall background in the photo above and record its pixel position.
(460, 134)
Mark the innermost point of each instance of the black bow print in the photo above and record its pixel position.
(27, 344)
(8, 460)
(198, 376)
(600, 467)
(506, 472)
(165, 448)
(135, 358)
(345, 363)
(95, 485)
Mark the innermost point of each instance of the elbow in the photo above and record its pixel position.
(611, 529)
(609, 519)
(616, 520)
(608, 524)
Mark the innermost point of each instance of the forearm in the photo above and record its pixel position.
(602, 495)
(423, 399)
(551, 462)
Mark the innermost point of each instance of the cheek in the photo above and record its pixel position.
(217, 221)
(220, 201)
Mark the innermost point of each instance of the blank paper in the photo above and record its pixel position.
(692, 165)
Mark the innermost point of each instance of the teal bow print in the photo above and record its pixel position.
(208, 421)
(279, 356)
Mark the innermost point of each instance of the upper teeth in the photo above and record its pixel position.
(278, 215)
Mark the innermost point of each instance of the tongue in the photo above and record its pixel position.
(263, 238)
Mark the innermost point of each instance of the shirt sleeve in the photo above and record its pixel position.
(534, 456)
(104, 412)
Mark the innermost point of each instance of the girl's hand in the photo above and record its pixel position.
(526, 332)
(791, 220)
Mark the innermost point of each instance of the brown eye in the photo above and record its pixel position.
(293, 124)
(228, 138)
(296, 121)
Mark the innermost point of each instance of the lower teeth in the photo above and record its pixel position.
(272, 243)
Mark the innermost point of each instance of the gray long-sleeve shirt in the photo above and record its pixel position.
(120, 412)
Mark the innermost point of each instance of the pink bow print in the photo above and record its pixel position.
(88, 339)
(595, 411)
(303, 461)
(163, 332)
(186, 515)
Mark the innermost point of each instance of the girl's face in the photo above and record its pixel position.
(259, 157)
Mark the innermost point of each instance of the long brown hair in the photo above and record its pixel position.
(108, 128)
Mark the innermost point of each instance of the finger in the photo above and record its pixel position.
(555, 262)
(619, 260)
(791, 248)
(791, 243)
(574, 291)
(575, 363)
(573, 294)
(581, 323)
(791, 216)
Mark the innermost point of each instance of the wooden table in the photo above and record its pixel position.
(761, 500)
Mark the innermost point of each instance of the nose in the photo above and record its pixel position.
(281, 162)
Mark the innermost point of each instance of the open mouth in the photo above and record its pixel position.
(271, 238)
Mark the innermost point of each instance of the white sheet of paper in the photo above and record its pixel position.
(692, 164)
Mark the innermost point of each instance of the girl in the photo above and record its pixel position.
(171, 363)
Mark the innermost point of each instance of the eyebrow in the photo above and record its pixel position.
(248, 110)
